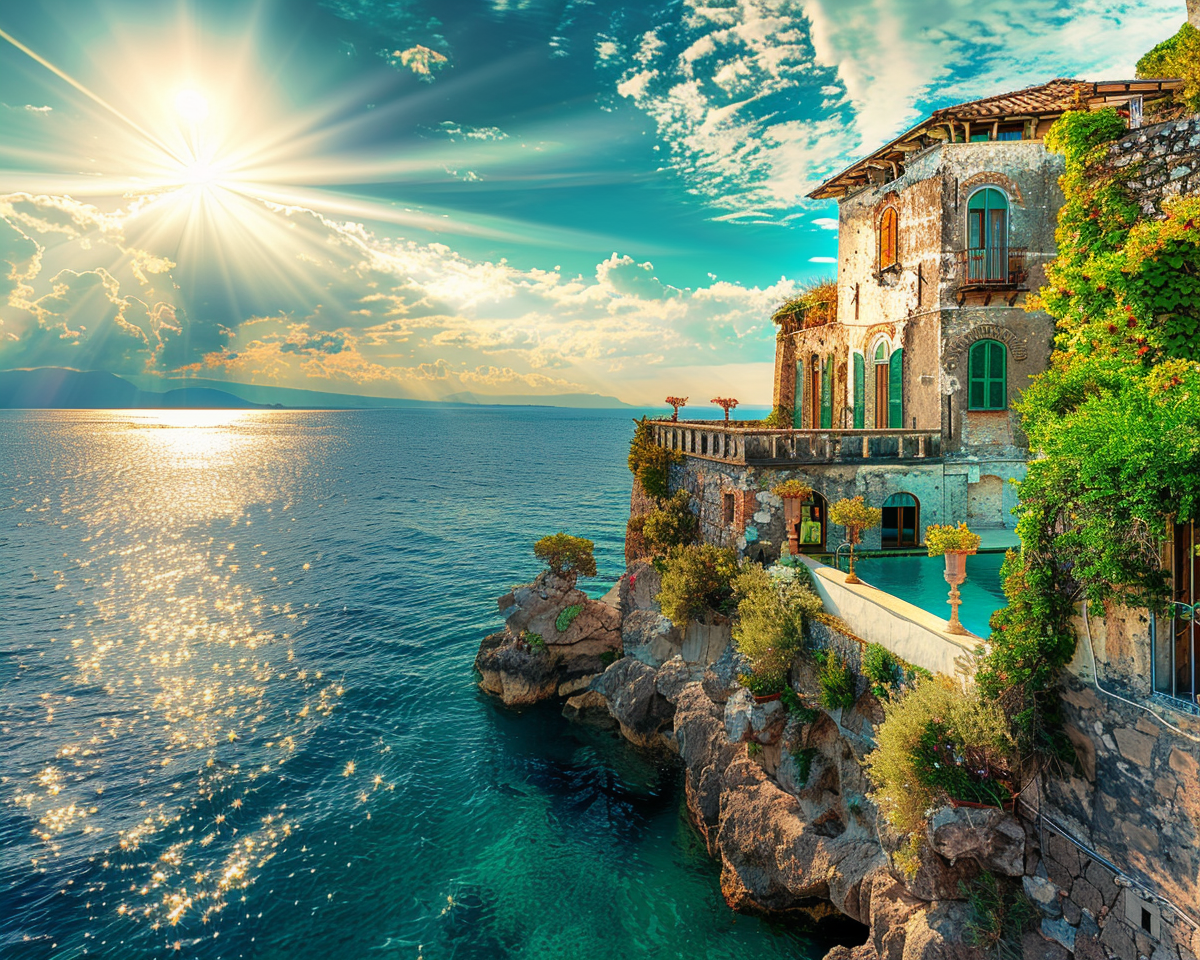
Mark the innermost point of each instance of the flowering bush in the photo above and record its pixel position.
(946, 539)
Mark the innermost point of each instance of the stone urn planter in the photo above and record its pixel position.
(956, 574)
(955, 544)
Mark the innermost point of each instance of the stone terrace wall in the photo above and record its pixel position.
(1165, 162)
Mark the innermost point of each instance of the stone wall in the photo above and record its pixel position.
(1161, 161)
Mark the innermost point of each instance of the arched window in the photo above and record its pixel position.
(987, 375)
(860, 391)
(901, 521)
(881, 386)
(889, 238)
(987, 236)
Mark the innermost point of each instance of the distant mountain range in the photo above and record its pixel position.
(63, 388)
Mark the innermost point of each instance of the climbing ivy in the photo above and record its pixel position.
(649, 462)
(1114, 421)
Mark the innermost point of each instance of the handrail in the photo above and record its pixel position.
(719, 440)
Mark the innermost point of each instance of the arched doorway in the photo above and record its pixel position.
(901, 521)
(882, 381)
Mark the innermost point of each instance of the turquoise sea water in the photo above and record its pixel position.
(238, 711)
(921, 581)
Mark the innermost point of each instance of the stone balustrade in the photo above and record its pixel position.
(756, 446)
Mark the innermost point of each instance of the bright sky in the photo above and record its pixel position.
(421, 197)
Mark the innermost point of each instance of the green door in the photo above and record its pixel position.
(827, 394)
(860, 389)
(896, 390)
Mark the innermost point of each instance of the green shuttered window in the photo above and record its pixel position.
(827, 394)
(896, 390)
(988, 376)
(860, 391)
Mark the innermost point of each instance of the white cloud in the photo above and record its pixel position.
(822, 259)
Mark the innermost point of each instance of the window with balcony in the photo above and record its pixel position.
(987, 236)
(889, 238)
(987, 376)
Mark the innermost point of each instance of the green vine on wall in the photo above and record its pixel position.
(1114, 421)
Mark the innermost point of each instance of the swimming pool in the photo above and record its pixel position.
(920, 581)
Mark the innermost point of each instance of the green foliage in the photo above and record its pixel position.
(944, 539)
(804, 757)
(754, 749)
(792, 489)
(907, 766)
(796, 708)
(764, 684)
(1115, 419)
(566, 555)
(648, 461)
(697, 578)
(837, 682)
(567, 616)
(854, 514)
(770, 621)
(813, 306)
(535, 642)
(780, 418)
(671, 524)
(882, 668)
(999, 916)
(1177, 56)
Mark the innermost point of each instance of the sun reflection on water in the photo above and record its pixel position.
(179, 630)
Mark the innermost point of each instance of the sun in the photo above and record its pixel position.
(191, 105)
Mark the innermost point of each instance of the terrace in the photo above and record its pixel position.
(772, 447)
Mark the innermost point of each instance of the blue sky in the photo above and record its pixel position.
(418, 197)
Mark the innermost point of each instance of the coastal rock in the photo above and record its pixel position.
(721, 677)
(995, 839)
(750, 722)
(650, 637)
(555, 640)
(639, 588)
(590, 709)
(634, 701)
(673, 676)
(934, 878)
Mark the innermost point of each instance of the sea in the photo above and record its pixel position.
(239, 719)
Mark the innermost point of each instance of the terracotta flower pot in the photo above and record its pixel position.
(767, 698)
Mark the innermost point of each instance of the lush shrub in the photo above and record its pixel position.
(671, 524)
(769, 630)
(648, 461)
(780, 418)
(837, 682)
(1000, 916)
(813, 306)
(696, 579)
(534, 641)
(792, 489)
(882, 668)
(796, 708)
(566, 555)
(969, 733)
(1177, 56)
(764, 684)
(567, 616)
(943, 539)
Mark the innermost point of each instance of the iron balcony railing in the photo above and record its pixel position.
(757, 446)
(993, 268)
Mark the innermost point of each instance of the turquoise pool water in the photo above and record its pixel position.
(920, 581)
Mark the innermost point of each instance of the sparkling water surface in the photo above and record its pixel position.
(238, 711)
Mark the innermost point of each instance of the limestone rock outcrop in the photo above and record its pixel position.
(555, 640)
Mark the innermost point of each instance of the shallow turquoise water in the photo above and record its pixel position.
(238, 710)
(921, 581)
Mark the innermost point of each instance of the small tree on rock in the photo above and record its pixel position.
(676, 403)
(854, 514)
(567, 556)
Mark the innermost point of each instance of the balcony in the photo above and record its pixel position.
(727, 442)
(992, 270)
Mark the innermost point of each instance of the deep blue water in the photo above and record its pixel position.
(238, 712)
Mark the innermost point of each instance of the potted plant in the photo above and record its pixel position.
(854, 514)
(792, 490)
(764, 687)
(955, 544)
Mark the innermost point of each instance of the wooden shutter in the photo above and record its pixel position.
(827, 395)
(896, 390)
(860, 390)
(977, 377)
(997, 378)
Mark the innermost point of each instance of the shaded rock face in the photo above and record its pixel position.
(993, 838)
(514, 666)
(634, 701)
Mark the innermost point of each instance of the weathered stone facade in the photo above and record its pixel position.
(1162, 161)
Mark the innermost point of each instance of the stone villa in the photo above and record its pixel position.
(905, 393)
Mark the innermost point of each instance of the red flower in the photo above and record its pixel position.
(1112, 328)
(1131, 322)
